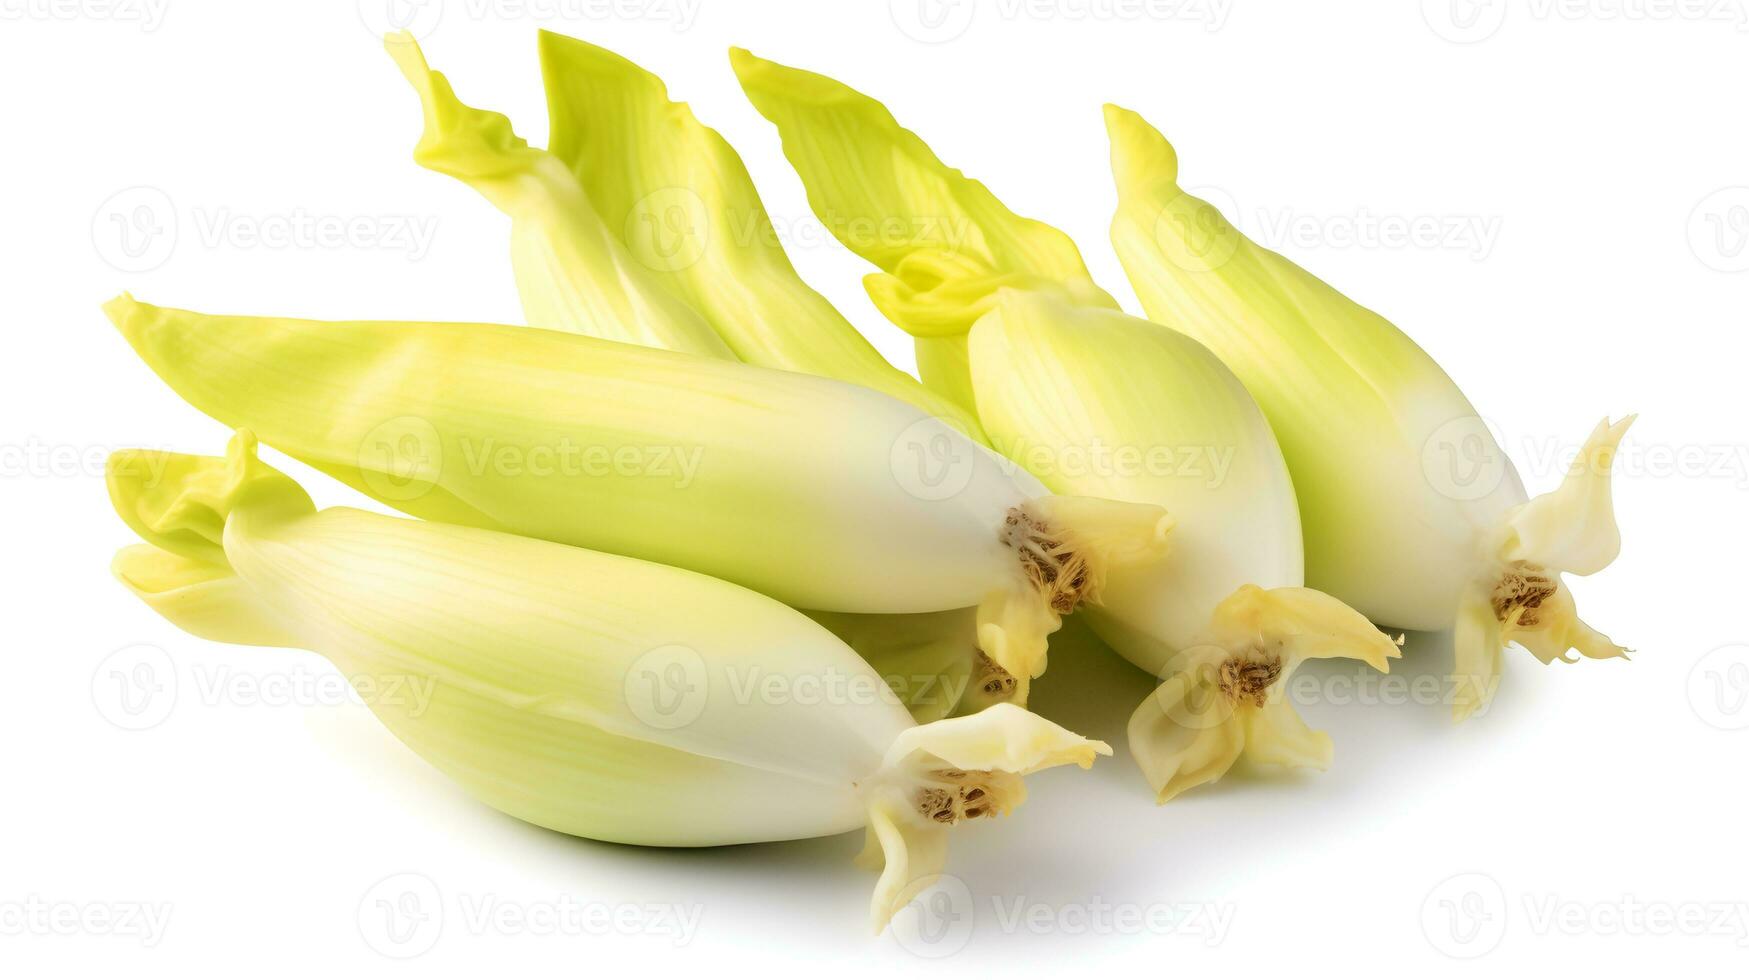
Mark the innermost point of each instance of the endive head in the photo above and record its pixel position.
(780, 465)
(527, 653)
(1226, 698)
(1369, 423)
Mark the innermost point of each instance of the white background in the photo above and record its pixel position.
(1587, 163)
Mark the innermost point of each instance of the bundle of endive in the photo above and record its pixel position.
(688, 468)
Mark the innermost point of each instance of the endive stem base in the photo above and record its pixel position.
(946, 772)
(1522, 599)
(1064, 548)
(1227, 698)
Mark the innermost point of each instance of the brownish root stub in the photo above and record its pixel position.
(1522, 590)
(949, 796)
(1247, 678)
(989, 677)
(1060, 573)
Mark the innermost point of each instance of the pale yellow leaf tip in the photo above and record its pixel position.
(1140, 155)
(553, 41)
(747, 65)
(120, 310)
(426, 83)
(795, 84)
(130, 317)
(576, 53)
(404, 48)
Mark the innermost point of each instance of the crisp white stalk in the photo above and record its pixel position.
(560, 686)
(1413, 514)
(818, 493)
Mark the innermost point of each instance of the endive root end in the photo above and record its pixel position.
(1063, 548)
(1523, 600)
(946, 772)
(1186, 733)
(1066, 545)
(1528, 605)
(992, 684)
(1227, 698)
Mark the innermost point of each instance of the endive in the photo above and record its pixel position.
(1413, 513)
(958, 244)
(1093, 401)
(587, 693)
(636, 176)
(819, 493)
